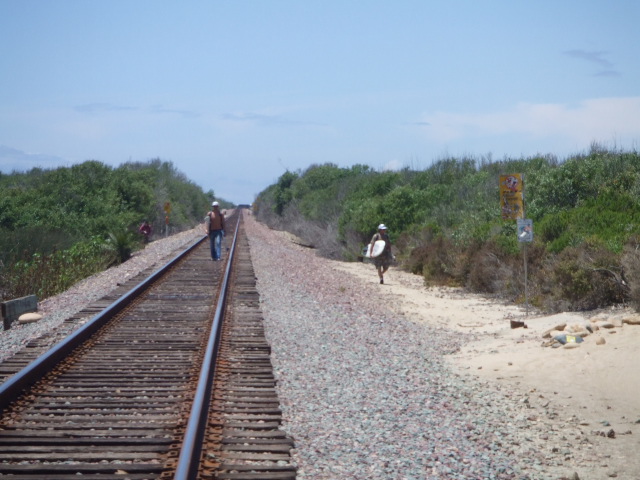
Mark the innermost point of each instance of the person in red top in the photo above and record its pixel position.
(214, 228)
(145, 230)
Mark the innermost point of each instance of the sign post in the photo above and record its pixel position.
(167, 210)
(512, 208)
(525, 235)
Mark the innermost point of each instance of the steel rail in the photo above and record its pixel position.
(45, 363)
(191, 450)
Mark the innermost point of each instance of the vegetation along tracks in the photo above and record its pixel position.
(134, 398)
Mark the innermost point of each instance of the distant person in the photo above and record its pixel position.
(382, 261)
(145, 231)
(214, 228)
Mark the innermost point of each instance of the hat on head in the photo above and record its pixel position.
(215, 204)
(382, 226)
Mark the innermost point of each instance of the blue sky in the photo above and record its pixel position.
(236, 92)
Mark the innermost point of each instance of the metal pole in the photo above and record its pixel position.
(526, 293)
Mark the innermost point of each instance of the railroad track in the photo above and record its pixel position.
(134, 397)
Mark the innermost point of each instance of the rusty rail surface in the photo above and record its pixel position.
(122, 404)
(191, 450)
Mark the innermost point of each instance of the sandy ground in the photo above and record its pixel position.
(592, 387)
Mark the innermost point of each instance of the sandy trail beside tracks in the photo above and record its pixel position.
(593, 387)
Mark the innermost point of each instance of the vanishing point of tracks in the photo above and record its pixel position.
(147, 389)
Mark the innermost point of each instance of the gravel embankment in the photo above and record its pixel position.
(366, 393)
(57, 309)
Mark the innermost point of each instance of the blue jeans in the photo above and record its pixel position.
(215, 239)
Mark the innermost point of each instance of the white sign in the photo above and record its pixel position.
(525, 230)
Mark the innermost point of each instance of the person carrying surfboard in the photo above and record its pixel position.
(380, 251)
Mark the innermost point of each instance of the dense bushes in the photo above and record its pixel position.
(45, 274)
(630, 270)
(445, 223)
(58, 226)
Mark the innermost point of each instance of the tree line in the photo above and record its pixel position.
(58, 226)
(445, 222)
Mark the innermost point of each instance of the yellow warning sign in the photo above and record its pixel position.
(511, 196)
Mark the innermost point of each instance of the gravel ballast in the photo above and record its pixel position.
(366, 393)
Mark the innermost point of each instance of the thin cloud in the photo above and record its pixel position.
(607, 73)
(97, 108)
(91, 108)
(591, 119)
(159, 109)
(596, 57)
(266, 120)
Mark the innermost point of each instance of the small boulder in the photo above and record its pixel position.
(600, 341)
(604, 324)
(632, 319)
(552, 332)
(617, 322)
(581, 334)
(29, 318)
(576, 327)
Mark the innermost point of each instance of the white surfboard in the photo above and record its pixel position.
(378, 248)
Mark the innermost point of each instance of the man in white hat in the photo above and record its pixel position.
(214, 228)
(382, 261)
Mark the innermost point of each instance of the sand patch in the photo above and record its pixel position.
(594, 386)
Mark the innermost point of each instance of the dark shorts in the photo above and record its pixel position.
(383, 260)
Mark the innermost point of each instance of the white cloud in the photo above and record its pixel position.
(392, 165)
(600, 119)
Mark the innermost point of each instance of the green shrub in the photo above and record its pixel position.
(445, 221)
(283, 193)
(585, 277)
(488, 269)
(437, 262)
(120, 245)
(360, 218)
(630, 270)
(49, 274)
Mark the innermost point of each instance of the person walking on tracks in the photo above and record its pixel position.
(214, 228)
(384, 259)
